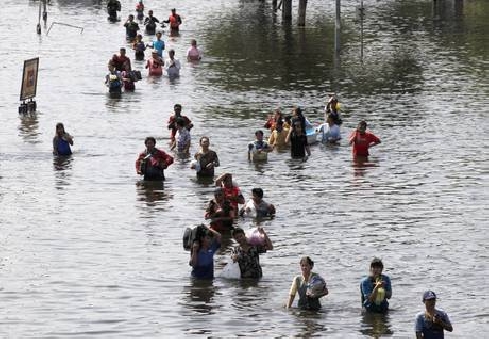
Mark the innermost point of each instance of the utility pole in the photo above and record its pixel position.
(337, 27)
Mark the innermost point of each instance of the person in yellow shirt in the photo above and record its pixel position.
(277, 139)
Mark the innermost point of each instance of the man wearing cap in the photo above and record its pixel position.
(118, 61)
(431, 323)
(376, 289)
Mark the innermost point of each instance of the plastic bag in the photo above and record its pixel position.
(316, 287)
(249, 209)
(255, 237)
(231, 271)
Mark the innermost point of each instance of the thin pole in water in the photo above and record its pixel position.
(337, 26)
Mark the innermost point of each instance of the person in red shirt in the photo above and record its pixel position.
(175, 20)
(172, 123)
(362, 140)
(119, 60)
(152, 161)
(231, 191)
(220, 212)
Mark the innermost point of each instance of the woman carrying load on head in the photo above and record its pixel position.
(202, 254)
(309, 286)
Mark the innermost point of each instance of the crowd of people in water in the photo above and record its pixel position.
(228, 202)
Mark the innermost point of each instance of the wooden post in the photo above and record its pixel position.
(287, 10)
(337, 27)
(302, 13)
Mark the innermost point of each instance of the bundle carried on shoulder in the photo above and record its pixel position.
(316, 287)
(192, 234)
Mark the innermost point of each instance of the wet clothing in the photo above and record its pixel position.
(154, 67)
(298, 144)
(204, 159)
(61, 146)
(299, 285)
(232, 192)
(183, 139)
(159, 46)
(132, 29)
(150, 24)
(175, 21)
(172, 125)
(118, 61)
(362, 143)
(426, 326)
(366, 289)
(278, 138)
(149, 164)
(140, 47)
(249, 261)
(205, 262)
(112, 7)
(262, 209)
(172, 67)
(215, 210)
(193, 53)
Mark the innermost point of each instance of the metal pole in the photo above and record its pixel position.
(337, 26)
(362, 16)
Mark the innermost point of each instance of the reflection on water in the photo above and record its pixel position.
(198, 297)
(62, 166)
(29, 126)
(152, 192)
(376, 325)
(361, 164)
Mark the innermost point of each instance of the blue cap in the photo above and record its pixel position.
(429, 295)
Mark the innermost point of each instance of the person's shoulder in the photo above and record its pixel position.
(419, 315)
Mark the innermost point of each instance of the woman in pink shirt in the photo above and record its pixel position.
(193, 53)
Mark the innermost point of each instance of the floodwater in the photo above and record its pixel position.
(85, 250)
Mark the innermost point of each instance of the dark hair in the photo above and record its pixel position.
(237, 231)
(180, 122)
(308, 260)
(60, 124)
(177, 106)
(258, 192)
(258, 132)
(150, 139)
(377, 263)
(362, 123)
(202, 138)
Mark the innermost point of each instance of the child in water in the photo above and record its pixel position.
(62, 141)
(139, 46)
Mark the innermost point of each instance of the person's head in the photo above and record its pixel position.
(429, 299)
(218, 194)
(139, 37)
(204, 142)
(155, 55)
(306, 265)
(150, 143)
(180, 123)
(259, 135)
(131, 17)
(111, 66)
(193, 42)
(177, 109)
(227, 180)
(376, 267)
(257, 194)
(122, 51)
(158, 35)
(173, 10)
(171, 53)
(150, 12)
(60, 128)
(362, 127)
(239, 235)
(277, 114)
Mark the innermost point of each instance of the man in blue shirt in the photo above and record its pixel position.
(431, 323)
(376, 289)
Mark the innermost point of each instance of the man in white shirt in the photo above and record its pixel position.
(172, 65)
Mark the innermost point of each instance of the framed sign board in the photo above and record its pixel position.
(29, 79)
